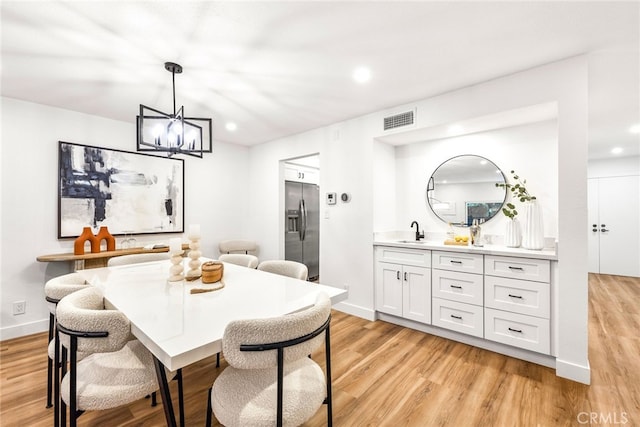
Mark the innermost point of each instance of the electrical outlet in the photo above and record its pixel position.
(19, 307)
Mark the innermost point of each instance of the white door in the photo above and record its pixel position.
(389, 288)
(416, 293)
(618, 225)
(594, 229)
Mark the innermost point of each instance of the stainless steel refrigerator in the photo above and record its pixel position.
(302, 237)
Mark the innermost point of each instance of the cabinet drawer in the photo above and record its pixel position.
(518, 296)
(528, 332)
(455, 286)
(518, 268)
(457, 261)
(465, 318)
(416, 257)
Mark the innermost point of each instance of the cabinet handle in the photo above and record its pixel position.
(603, 229)
(455, 262)
(405, 276)
(515, 330)
(456, 286)
(516, 268)
(456, 317)
(515, 296)
(398, 275)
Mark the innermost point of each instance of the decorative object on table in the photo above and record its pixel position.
(194, 252)
(173, 133)
(476, 233)
(513, 234)
(103, 234)
(212, 271)
(533, 235)
(458, 240)
(122, 190)
(84, 237)
(175, 250)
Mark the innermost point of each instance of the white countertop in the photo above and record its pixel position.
(180, 328)
(546, 253)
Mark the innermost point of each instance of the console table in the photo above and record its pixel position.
(99, 259)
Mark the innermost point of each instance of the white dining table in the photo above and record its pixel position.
(181, 328)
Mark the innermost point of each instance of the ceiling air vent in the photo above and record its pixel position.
(399, 120)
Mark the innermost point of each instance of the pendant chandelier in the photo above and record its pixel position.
(173, 133)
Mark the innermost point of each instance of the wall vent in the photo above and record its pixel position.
(399, 120)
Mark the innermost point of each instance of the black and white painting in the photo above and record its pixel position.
(130, 193)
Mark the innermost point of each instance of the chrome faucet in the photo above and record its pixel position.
(418, 234)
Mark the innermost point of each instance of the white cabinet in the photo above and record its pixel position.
(457, 290)
(517, 299)
(403, 283)
(300, 173)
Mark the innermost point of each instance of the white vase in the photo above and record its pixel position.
(533, 234)
(512, 233)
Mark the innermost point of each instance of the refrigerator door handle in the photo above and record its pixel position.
(303, 219)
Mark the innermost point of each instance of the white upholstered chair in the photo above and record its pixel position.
(285, 268)
(271, 380)
(137, 258)
(237, 246)
(244, 260)
(54, 290)
(118, 370)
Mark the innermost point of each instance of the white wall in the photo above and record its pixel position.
(530, 150)
(29, 159)
(621, 166)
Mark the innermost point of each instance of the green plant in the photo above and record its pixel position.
(519, 191)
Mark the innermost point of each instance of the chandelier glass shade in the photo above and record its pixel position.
(173, 133)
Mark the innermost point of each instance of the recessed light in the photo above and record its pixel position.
(616, 150)
(230, 126)
(362, 74)
(635, 128)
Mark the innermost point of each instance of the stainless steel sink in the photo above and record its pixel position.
(412, 241)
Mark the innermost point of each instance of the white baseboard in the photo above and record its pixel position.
(24, 329)
(572, 371)
(356, 310)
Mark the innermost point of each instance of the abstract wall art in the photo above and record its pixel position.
(130, 193)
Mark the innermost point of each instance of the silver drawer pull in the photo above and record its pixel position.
(456, 286)
(456, 317)
(515, 296)
(455, 262)
(516, 330)
(516, 268)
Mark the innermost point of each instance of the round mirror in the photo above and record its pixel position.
(464, 188)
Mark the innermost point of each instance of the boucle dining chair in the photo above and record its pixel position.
(244, 260)
(285, 268)
(237, 246)
(137, 258)
(54, 290)
(119, 370)
(271, 380)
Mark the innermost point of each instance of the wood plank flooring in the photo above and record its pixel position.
(386, 375)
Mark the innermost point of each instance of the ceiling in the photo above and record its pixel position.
(280, 68)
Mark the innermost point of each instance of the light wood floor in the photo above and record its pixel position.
(386, 375)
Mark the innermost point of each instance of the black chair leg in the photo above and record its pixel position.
(218, 360)
(209, 410)
(50, 364)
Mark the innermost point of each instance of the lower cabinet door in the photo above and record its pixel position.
(389, 288)
(528, 332)
(416, 296)
(458, 316)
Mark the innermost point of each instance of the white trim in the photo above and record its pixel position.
(24, 329)
(356, 310)
(573, 371)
